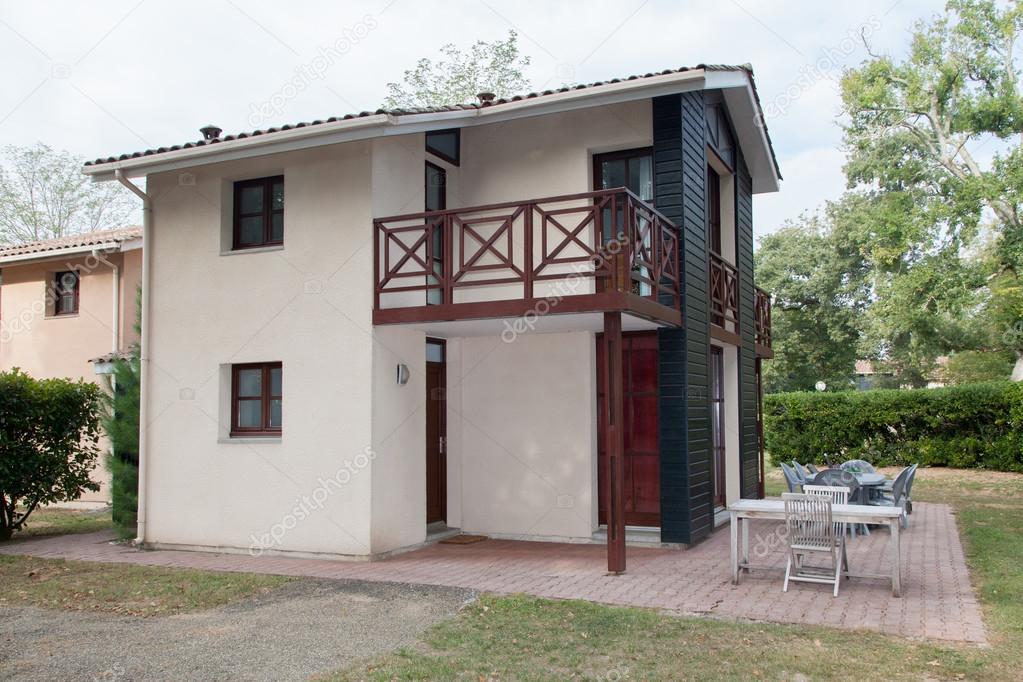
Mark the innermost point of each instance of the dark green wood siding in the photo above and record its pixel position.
(686, 481)
(749, 456)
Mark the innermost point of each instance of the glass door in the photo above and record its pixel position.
(632, 169)
(436, 200)
(717, 421)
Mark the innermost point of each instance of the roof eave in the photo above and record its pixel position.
(52, 254)
(765, 172)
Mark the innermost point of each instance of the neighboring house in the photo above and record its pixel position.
(520, 318)
(869, 376)
(65, 301)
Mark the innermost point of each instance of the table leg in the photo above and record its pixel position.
(896, 526)
(734, 531)
(745, 544)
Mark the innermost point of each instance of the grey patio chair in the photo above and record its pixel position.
(811, 532)
(861, 464)
(812, 469)
(886, 489)
(898, 495)
(909, 489)
(844, 479)
(800, 472)
(791, 479)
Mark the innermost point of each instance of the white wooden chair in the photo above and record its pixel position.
(838, 495)
(812, 533)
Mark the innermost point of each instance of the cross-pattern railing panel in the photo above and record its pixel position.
(724, 292)
(608, 239)
(762, 315)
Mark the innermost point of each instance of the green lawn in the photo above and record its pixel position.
(122, 588)
(55, 521)
(524, 638)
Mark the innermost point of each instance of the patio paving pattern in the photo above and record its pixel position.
(938, 601)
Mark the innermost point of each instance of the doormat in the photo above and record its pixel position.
(463, 540)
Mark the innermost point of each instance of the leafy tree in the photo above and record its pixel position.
(818, 302)
(121, 423)
(457, 77)
(973, 366)
(122, 426)
(49, 433)
(43, 194)
(915, 128)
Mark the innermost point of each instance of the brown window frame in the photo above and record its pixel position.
(265, 397)
(58, 294)
(266, 212)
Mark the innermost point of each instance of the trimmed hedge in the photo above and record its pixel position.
(971, 426)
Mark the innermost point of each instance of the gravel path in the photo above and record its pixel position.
(300, 629)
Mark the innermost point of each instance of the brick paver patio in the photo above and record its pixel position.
(938, 600)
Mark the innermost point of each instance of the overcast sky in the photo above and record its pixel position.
(99, 78)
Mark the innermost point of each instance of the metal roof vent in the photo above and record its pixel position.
(210, 132)
(486, 98)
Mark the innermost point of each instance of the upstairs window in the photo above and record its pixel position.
(65, 292)
(714, 211)
(259, 212)
(256, 399)
(445, 144)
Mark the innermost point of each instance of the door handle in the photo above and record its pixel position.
(440, 444)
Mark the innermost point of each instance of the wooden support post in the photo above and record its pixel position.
(614, 420)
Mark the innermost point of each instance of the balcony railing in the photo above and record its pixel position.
(762, 315)
(724, 293)
(589, 244)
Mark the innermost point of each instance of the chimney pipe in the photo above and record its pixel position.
(210, 132)
(486, 98)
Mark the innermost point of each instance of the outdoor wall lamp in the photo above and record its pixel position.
(403, 374)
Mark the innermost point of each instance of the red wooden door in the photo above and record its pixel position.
(642, 453)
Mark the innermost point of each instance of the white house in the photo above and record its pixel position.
(519, 318)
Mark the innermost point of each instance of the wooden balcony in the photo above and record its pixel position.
(724, 293)
(762, 318)
(604, 251)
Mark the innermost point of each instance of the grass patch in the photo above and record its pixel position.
(122, 588)
(54, 521)
(526, 638)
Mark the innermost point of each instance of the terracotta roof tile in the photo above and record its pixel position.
(748, 69)
(121, 234)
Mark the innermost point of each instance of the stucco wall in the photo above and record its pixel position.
(522, 429)
(399, 439)
(306, 305)
(47, 346)
(521, 416)
(523, 159)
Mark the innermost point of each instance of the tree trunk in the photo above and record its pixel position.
(1017, 371)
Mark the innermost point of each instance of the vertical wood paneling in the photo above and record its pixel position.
(686, 483)
(671, 391)
(749, 456)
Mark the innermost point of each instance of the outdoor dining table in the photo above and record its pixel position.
(869, 482)
(743, 510)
